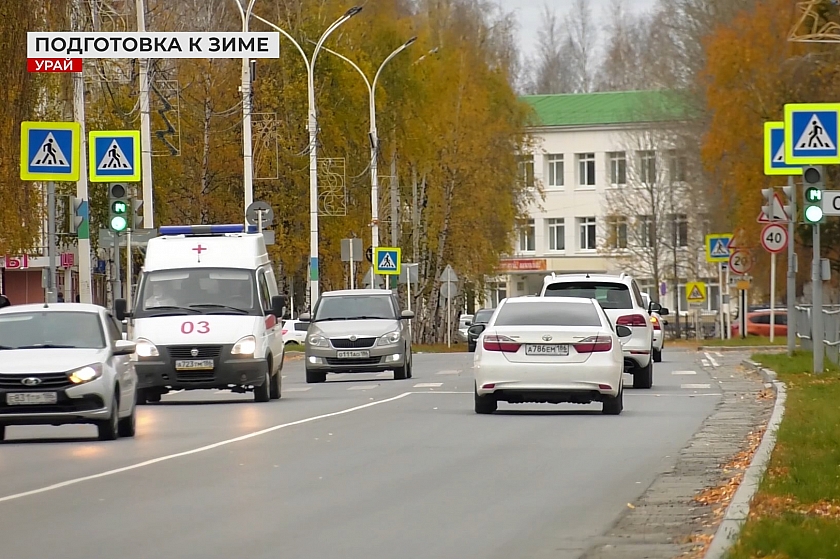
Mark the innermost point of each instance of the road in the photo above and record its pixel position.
(362, 467)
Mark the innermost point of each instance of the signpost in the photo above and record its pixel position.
(449, 290)
(351, 251)
(717, 247)
(741, 262)
(114, 156)
(695, 295)
(410, 276)
(811, 134)
(774, 151)
(774, 240)
(386, 261)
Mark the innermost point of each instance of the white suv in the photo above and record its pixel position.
(621, 299)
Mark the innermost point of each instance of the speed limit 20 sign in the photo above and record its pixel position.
(740, 262)
(774, 238)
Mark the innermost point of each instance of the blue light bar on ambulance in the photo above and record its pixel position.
(205, 230)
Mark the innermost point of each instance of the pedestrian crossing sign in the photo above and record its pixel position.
(717, 247)
(812, 134)
(387, 261)
(774, 151)
(114, 156)
(695, 292)
(50, 151)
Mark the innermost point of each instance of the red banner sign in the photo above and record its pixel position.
(523, 265)
(16, 262)
(54, 64)
(67, 259)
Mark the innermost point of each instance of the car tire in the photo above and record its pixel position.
(657, 356)
(471, 348)
(2, 432)
(401, 373)
(127, 426)
(643, 376)
(262, 393)
(315, 377)
(139, 397)
(153, 397)
(109, 429)
(614, 405)
(485, 404)
(275, 390)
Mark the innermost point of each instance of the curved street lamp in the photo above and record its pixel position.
(313, 145)
(247, 147)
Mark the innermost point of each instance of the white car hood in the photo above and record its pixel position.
(28, 361)
(196, 328)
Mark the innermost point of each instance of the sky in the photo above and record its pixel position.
(529, 15)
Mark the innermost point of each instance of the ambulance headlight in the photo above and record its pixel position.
(145, 348)
(245, 346)
(316, 340)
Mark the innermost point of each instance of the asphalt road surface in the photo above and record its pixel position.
(362, 467)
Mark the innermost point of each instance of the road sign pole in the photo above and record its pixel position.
(129, 275)
(408, 299)
(352, 268)
(743, 316)
(85, 273)
(791, 269)
(772, 296)
(117, 281)
(728, 307)
(720, 301)
(51, 298)
(816, 305)
(448, 321)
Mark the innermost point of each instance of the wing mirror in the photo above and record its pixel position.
(407, 315)
(477, 329)
(623, 331)
(305, 317)
(278, 306)
(654, 307)
(124, 347)
(121, 309)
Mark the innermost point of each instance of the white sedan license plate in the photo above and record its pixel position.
(547, 349)
(30, 398)
(194, 365)
(352, 354)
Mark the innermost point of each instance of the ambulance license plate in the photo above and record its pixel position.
(352, 354)
(194, 364)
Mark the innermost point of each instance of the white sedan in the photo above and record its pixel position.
(550, 350)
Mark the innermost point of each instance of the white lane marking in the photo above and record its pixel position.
(297, 389)
(448, 372)
(443, 392)
(428, 385)
(200, 449)
(697, 386)
(719, 354)
(364, 387)
(705, 362)
(684, 373)
(711, 359)
(626, 394)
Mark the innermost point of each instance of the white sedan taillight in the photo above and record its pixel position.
(500, 343)
(594, 344)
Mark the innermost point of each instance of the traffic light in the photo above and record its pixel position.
(74, 219)
(767, 206)
(812, 180)
(137, 215)
(790, 207)
(118, 204)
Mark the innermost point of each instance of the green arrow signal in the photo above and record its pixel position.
(813, 194)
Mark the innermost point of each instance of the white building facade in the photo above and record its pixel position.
(616, 198)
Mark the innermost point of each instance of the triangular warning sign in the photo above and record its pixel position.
(49, 154)
(779, 213)
(114, 158)
(387, 263)
(814, 137)
(719, 250)
(695, 293)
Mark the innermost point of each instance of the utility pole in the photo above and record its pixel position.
(85, 273)
(145, 128)
(51, 294)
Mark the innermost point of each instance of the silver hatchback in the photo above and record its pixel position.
(357, 331)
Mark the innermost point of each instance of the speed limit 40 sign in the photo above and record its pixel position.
(774, 238)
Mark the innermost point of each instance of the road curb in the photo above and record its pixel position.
(739, 508)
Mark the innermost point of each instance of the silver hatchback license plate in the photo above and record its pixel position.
(352, 354)
(194, 365)
(547, 349)
(31, 398)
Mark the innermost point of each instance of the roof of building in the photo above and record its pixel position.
(608, 108)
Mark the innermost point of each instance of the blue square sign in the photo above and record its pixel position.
(774, 151)
(811, 134)
(114, 156)
(49, 151)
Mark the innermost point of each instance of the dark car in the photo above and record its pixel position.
(481, 317)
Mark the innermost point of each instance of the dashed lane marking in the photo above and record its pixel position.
(696, 386)
(364, 387)
(684, 373)
(428, 385)
(297, 389)
(448, 372)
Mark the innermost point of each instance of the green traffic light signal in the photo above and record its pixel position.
(119, 223)
(119, 207)
(813, 194)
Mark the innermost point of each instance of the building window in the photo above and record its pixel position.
(555, 170)
(556, 234)
(647, 231)
(679, 229)
(526, 170)
(618, 232)
(647, 167)
(587, 233)
(618, 168)
(527, 237)
(586, 169)
(677, 165)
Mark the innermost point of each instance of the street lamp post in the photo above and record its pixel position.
(313, 145)
(374, 139)
(247, 147)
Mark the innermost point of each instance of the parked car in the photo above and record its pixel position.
(464, 323)
(294, 332)
(621, 299)
(560, 350)
(758, 323)
(481, 317)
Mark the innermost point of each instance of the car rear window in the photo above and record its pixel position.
(483, 316)
(301, 326)
(609, 295)
(552, 314)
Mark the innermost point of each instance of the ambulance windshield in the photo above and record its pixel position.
(197, 291)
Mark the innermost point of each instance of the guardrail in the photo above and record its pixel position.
(831, 330)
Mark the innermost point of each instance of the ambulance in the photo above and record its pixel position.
(207, 314)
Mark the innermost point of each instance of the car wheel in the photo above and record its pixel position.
(153, 397)
(128, 425)
(276, 385)
(485, 404)
(139, 397)
(314, 377)
(471, 347)
(109, 428)
(2, 432)
(657, 356)
(613, 405)
(410, 372)
(401, 373)
(262, 393)
(643, 376)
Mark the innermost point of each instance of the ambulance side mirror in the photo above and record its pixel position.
(121, 309)
(278, 305)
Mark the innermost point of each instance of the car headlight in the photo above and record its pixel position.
(86, 374)
(145, 348)
(316, 340)
(245, 346)
(390, 338)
